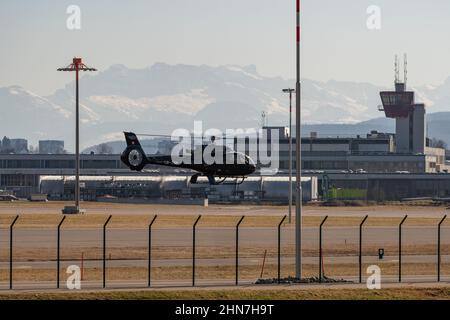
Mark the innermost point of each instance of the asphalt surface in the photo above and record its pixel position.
(234, 210)
(426, 281)
(218, 236)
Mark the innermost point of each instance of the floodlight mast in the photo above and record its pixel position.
(298, 164)
(77, 65)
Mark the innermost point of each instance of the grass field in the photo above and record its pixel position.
(149, 209)
(40, 220)
(22, 254)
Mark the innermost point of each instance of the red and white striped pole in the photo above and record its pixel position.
(77, 62)
(298, 164)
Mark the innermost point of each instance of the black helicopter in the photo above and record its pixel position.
(240, 167)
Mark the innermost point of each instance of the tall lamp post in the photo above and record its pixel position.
(76, 65)
(298, 164)
(290, 91)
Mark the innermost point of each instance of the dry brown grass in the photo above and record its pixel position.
(210, 252)
(220, 272)
(40, 220)
(281, 293)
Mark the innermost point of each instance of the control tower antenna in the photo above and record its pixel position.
(397, 80)
(405, 69)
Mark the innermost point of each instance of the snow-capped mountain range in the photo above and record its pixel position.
(163, 97)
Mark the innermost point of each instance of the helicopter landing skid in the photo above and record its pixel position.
(221, 180)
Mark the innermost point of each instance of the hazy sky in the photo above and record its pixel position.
(336, 43)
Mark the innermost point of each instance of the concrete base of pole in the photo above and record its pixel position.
(73, 210)
(289, 280)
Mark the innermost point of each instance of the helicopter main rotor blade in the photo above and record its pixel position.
(195, 137)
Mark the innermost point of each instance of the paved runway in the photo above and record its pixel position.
(235, 210)
(217, 236)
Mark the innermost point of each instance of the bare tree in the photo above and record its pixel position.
(6, 145)
(438, 143)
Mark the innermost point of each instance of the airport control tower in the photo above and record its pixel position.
(409, 116)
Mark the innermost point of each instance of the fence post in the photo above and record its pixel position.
(82, 266)
(360, 247)
(237, 249)
(150, 249)
(400, 249)
(439, 249)
(193, 249)
(104, 250)
(320, 248)
(11, 251)
(58, 241)
(263, 264)
(279, 248)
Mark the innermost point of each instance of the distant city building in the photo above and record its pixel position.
(51, 146)
(13, 145)
(19, 145)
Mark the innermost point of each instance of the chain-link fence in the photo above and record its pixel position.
(201, 251)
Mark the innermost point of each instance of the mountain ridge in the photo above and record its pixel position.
(162, 97)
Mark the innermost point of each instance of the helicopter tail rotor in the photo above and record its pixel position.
(133, 156)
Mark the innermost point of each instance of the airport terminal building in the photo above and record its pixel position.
(376, 153)
(103, 175)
